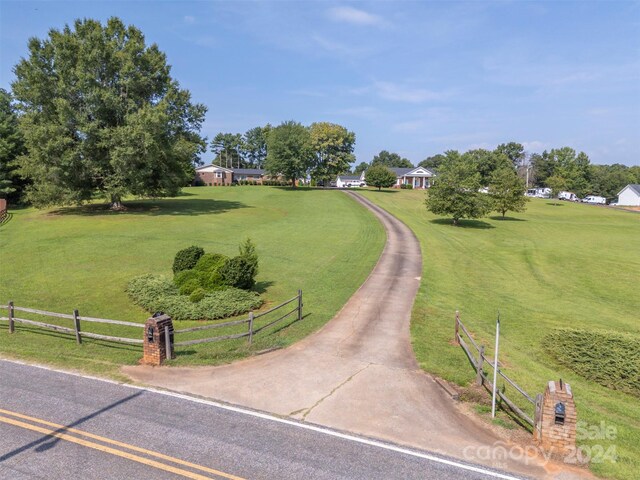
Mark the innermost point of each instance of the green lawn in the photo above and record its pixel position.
(322, 242)
(570, 265)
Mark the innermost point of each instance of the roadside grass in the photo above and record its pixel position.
(322, 242)
(552, 267)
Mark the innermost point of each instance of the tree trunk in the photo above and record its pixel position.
(455, 221)
(116, 203)
(293, 183)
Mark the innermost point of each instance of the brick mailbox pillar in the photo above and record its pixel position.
(156, 348)
(556, 419)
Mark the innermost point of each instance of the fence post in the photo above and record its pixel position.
(167, 342)
(457, 333)
(299, 304)
(76, 324)
(250, 327)
(480, 364)
(11, 324)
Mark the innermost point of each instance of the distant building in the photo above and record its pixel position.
(629, 196)
(417, 177)
(215, 175)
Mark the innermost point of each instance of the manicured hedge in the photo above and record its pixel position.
(610, 359)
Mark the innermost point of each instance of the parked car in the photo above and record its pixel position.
(569, 196)
(594, 199)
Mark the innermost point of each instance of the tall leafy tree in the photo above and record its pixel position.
(101, 114)
(455, 191)
(514, 151)
(379, 176)
(557, 183)
(433, 162)
(228, 148)
(255, 145)
(11, 146)
(488, 162)
(361, 167)
(333, 150)
(289, 151)
(507, 191)
(392, 160)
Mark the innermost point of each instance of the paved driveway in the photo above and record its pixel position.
(358, 373)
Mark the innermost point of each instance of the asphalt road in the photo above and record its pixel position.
(57, 425)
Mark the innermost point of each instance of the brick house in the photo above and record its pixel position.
(213, 175)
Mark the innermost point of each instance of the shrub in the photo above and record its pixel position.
(608, 358)
(190, 286)
(210, 262)
(197, 295)
(247, 251)
(184, 277)
(238, 272)
(187, 258)
(406, 186)
(157, 293)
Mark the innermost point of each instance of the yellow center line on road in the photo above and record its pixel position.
(113, 451)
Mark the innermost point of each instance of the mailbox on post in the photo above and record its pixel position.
(555, 428)
(158, 339)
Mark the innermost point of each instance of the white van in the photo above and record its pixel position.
(595, 200)
(568, 196)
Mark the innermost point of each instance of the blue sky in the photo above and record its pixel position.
(416, 78)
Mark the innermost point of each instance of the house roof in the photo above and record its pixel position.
(412, 172)
(215, 167)
(249, 171)
(349, 177)
(634, 187)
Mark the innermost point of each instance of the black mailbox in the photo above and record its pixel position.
(150, 332)
(560, 413)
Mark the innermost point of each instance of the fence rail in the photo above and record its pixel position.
(477, 358)
(252, 327)
(75, 317)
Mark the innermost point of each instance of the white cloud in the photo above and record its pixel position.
(354, 16)
(189, 19)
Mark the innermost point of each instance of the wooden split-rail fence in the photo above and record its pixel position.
(478, 359)
(76, 327)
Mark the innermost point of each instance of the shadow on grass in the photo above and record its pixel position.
(475, 224)
(261, 287)
(507, 219)
(169, 206)
(384, 190)
(555, 204)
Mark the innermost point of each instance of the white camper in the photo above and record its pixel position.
(595, 199)
(568, 196)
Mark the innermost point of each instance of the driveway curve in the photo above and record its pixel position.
(357, 373)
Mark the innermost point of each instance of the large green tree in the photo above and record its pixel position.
(228, 149)
(564, 162)
(255, 145)
(488, 162)
(333, 150)
(361, 167)
(379, 176)
(392, 160)
(11, 146)
(455, 192)
(289, 151)
(101, 114)
(513, 151)
(507, 191)
(433, 162)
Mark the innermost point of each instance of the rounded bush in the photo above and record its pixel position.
(238, 272)
(185, 276)
(197, 295)
(210, 262)
(187, 258)
(190, 286)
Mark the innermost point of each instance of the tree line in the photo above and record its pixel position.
(320, 151)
